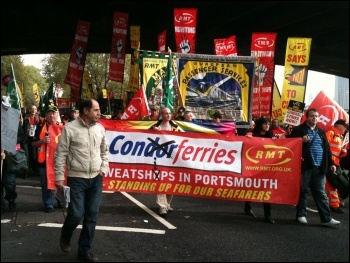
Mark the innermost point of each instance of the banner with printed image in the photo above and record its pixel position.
(232, 167)
(263, 46)
(154, 72)
(134, 79)
(222, 83)
(77, 60)
(185, 22)
(276, 111)
(117, 57)
(295, 71)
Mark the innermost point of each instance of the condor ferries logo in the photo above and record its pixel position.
(175, 150)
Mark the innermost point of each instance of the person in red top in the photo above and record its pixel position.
(277, 130)
(335, 139)
(30, 123)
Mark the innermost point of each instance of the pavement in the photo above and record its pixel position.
(129, 229)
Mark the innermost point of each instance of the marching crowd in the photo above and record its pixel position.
(324, 171)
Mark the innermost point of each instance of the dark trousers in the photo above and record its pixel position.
(85, 199)
(267, 208)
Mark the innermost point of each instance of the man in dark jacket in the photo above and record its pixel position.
(316, 160)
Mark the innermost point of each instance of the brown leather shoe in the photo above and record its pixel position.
(87, 257)
(65, 245)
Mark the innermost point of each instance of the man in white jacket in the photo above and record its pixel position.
(83, 150)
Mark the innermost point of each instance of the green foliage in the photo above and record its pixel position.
(26, 77)
(54, 69)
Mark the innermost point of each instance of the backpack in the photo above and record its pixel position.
(16, 161)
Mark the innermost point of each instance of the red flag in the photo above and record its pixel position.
(117, 57)
(110, 94)
(185, 23)
(263, 46)
(138, 106)
(329, 111)
(162, 41)
(77, 60)
(226, 46)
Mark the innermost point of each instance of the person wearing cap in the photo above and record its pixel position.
(73, 114)
(40, 141)
(316, 161)
(217, 116)
(154, 113)
(180, 114)
(335, 193)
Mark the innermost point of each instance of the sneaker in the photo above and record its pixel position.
(48, 209)
(65, 245)
(163, 211)
(337, 210)
(87, 257)
(170, 209)
(332, 222)
(249, 212)
(302, 220)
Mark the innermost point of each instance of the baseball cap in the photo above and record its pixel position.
(181, 110)
(217, 114)
(74, 109)
(341, 122)
(52, 108)
(154, 107)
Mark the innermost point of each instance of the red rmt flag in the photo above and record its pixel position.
(185, 22)
(77, 58)
(138, 106)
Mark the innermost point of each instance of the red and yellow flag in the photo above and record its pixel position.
(295, 71)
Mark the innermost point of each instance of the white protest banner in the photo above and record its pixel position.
(9, 129)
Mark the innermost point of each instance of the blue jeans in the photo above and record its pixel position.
(9, 184)
(314, 180)
(46, 194)
(85, 199)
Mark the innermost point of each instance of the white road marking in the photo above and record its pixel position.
(112, 228)
(159, 218)
(138, 203)
(312, 210)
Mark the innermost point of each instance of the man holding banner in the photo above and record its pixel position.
(316, 160)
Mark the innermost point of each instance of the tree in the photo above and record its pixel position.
(26, 77)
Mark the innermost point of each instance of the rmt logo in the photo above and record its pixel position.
(184, 18)
(298, 47)
(263, 42)
(121, 22)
